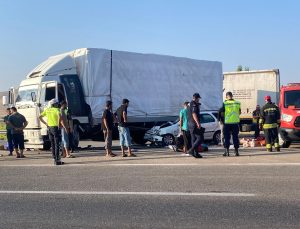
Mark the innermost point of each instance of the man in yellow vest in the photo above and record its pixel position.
(52, 113)
(232, 110)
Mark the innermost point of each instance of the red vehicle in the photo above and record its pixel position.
(289, 105)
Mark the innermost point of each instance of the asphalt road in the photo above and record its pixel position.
(150, 196)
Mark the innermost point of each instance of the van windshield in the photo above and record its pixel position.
(292, 98)
(25, 93)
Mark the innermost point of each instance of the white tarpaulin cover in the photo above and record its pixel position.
(156, 85)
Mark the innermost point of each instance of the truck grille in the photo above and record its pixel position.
(297, 122)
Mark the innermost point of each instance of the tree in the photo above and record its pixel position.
(239, 68)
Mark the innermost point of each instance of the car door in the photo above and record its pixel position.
(209, 123)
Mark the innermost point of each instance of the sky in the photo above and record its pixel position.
(253, 33)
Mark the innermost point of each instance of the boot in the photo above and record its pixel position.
(269, 150)
(277, 149)
(236, 150)
(226, 152)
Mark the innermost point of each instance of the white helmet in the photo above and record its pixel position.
(52, 102)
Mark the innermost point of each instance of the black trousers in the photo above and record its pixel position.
(186, 138)
(196, 140)
(231, 129)
(271, 136)
(54, 137)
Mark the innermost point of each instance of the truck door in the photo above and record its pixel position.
(51, 90)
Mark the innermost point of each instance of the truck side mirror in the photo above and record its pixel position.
(33, 97)
(4, 100)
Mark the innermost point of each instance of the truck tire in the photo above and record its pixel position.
(76, 136)
(46, 145)
(283, 142)
(217, 137)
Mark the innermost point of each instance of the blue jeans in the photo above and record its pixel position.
(124, 134)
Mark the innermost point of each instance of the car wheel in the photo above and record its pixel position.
(217, 137)
(168, 139)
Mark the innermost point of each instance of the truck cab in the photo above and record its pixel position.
(48, 81)
(289, 106)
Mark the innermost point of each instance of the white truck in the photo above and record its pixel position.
(250, 87)
(156, 86)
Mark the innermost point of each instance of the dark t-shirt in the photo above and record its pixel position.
(119, 114)
(109, 119)
(8, 127)
(193, 108)
(17, 120)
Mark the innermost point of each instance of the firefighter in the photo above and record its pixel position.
(269, 122)
(231, 110)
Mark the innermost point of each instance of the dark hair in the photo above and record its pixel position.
(8, 109)
(186, 103)
(229, 93)
(14, 109)
(125, 101)
(64, 103)
(196, 96)
(108, 103)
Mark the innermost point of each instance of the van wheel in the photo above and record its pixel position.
(217, 137)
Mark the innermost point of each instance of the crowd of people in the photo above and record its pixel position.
(60, 127)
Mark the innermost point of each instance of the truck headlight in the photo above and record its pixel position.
(286, 118)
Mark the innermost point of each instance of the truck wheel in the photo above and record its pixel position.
(46, 145)
(283, 142)
(217, 137)
(76, 136)
(138, 139)
(168, 139)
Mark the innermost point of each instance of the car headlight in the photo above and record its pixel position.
(286, 118)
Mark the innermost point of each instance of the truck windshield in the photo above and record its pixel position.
(292, 98)
(25, 92)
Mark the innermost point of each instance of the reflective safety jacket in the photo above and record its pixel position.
(232, 109)
(269, 116)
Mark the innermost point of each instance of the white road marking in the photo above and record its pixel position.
(105, 164)
(217, 194)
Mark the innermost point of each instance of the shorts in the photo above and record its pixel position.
(65, 138)
(18, 141)
(124, 134)
(108, 139)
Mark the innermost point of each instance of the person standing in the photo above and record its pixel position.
(107, 127)
(232, 110)
(65, 130)
(195, 126)
(270, 121)
(8, 132)
(52, 113)
(124, 133)
(256, 115)
(183, 124)
(18, 123)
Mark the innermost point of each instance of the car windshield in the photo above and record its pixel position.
(25, 93)
(292, 98)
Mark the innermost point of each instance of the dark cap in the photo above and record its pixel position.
(196, 96)
(125, 101)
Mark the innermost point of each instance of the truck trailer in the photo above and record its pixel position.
(250, 87)
(156, 85)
